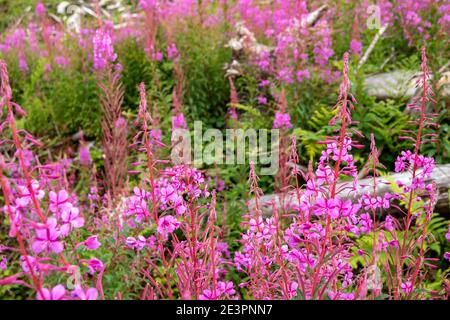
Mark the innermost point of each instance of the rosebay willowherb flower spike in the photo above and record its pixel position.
(420, 167)
(40, 224)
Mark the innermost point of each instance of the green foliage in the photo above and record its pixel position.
(386, 120)
(137, 68)
(11, 10)
(63, 101)
(309, 139)
(206, 90)
(438, 227)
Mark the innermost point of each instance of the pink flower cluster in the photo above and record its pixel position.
(282, 121)
(178, 121)
(103, 49)
(407, 160)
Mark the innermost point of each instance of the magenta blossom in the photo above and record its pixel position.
(47, 238)
(178, 121)
(293, 287)
(389, 223)
(25, 197)
(302, 75)
(57, 293)
(103, 49)
(262, 99)
(89, 294)
(59, 201)
(138, 243)
(70, 220)
(85, 156)
(407, 287)
(226, 288)
(94, 265)
(40, 9)
(92, 243)
(282, 120)
(208, 295)
(356, 47)
(167, 225)
(157, 56)
(172, 51)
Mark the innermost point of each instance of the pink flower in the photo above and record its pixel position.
(40, 9)
(347, 296)
(324, 175)
(85, 156)
(59, 201)
(103, 49)
(208, 295)
(365, 223)
(70, 220)
(264, 83)
(282, 120)
(57, 293)
(94, 265)
(285, 75)
(327, 206)
(47, 238)
(389, 223)
(302, 75)
(369, 202)
(356, 47)
(407, 287)
(157, 56)
(61, 61)
(25, 198)
(172, 51)
(262, 100)
(167, 194)
(33, 263)
(167, 225)
(226, 288)
(138, 243)
(92, 243)
(256, 224)
(293, 287)
(89, 294)
(178, 121)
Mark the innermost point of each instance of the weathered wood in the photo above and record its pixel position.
(399, 84)
(440, 176)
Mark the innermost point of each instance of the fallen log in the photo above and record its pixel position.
(440, 176)
(400, 84)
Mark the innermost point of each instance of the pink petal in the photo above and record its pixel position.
(78, 222)
(38, 246)
(57, 247)
(52, 196)
(91, 294)
(58, 292)
(45, 294)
